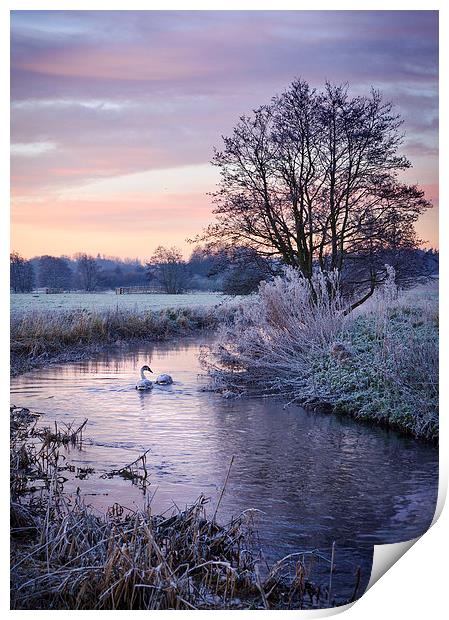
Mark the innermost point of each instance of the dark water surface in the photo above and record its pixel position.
(316, 478)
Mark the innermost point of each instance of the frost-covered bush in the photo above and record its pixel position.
(380, 364)
(277, 336)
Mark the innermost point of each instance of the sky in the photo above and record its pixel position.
(114, 114)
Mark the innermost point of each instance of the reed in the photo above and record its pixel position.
(40, 337)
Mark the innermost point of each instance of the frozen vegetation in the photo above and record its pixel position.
(64, 555)
(39, 337)
(378, 364)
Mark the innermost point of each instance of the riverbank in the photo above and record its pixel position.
(42, 337)
(379, 364)
(64, 556)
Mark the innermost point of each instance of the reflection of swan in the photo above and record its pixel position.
(144, 383)
(164, 380)
(143, 396)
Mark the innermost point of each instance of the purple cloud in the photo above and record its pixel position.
(122, 92)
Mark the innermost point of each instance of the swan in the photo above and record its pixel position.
(144, 383)
(164, 380)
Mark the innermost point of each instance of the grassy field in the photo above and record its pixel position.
(25, 302)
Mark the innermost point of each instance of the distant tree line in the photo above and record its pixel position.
(233, 271)
(21, 274)
(166, 270)
(80, 272)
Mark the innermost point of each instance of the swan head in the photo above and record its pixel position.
(147, 368)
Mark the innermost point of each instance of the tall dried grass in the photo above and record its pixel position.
(37, 337)
(269, 345)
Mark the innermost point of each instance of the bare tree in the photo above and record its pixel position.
(242, 269)
(21, 273)
(168, 268)
(312, 178)
(87, 270)
(54, 272)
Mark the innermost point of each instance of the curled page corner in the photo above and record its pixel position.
(442, 493)
(385, 556)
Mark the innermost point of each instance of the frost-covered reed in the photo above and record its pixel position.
(40, 336)
(269, 344)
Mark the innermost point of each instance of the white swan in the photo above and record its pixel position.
(164, 380)
(144, 383)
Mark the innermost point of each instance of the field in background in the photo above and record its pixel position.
(25, 302)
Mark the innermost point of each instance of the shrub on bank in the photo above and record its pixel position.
(378, 364)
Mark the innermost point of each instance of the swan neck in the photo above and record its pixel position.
(142, 374)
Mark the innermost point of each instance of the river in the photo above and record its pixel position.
(315, 478)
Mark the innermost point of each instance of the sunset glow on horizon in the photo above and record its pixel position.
(114, 115)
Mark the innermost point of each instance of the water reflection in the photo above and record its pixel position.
(316, 478)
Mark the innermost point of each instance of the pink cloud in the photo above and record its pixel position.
(119, 93)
